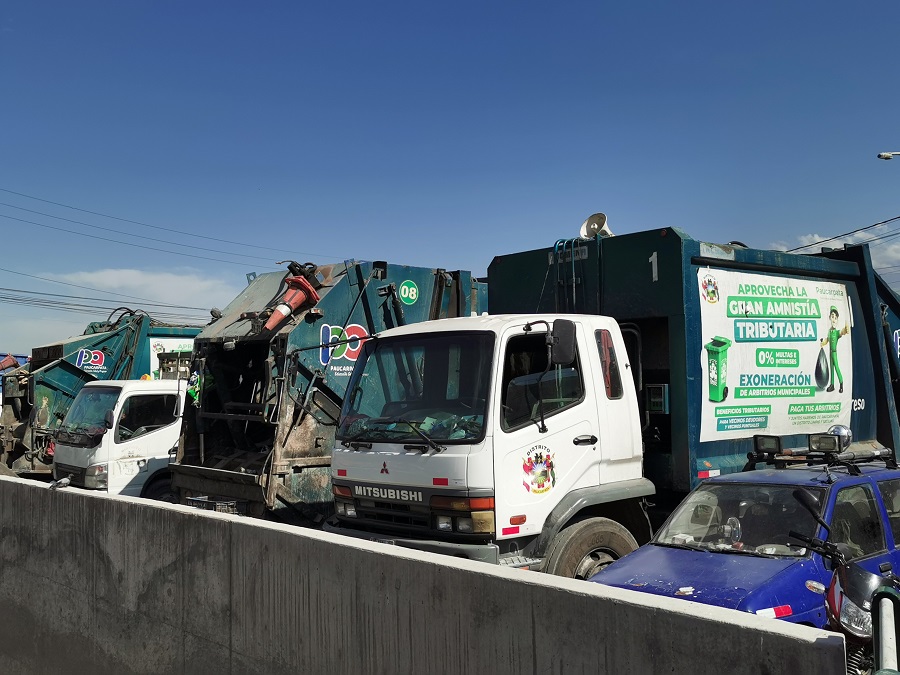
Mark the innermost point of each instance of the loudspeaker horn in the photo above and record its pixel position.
(595, 226)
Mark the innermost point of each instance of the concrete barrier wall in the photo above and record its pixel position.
(96, 584)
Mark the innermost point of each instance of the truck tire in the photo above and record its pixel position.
(161, 489)
(586, 547)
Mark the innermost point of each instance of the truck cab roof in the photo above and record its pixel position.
(141, 385)
(494, 323)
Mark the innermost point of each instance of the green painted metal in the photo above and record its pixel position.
(269, 399)
(37, 395)
(649, 280)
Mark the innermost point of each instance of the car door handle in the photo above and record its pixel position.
(585, 440)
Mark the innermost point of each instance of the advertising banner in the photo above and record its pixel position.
(776, 356)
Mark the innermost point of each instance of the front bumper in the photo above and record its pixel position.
(488, 553)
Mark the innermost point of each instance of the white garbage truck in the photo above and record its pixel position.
(120, 435)
(613, 376)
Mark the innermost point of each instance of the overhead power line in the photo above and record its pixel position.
(888, 235)
(71, 285)
(82, 297)
(127, 243)
(129, 234)
(846, 234)
(281, 251)
(68, 303)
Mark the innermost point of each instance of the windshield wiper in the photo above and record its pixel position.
(742, 551)
(355, 444)
(434, 445)
(687, 547)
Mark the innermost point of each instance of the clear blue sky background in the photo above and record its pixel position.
(426, 133)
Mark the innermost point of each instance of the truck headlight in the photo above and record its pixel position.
(95, 477)
(475, 520)
(346, 509)
(464, 525)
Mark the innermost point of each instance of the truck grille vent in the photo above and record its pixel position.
(77, 473)
(387, 513)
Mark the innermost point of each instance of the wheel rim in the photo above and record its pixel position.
(593, 562)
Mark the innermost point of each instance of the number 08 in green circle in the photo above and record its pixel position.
(409, 292)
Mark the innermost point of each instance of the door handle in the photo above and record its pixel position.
(584, 440)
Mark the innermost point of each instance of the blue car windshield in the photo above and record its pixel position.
(740, 518)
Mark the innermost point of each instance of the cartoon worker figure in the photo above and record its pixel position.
(832, 339)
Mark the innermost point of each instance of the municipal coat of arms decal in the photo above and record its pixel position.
(540, 473)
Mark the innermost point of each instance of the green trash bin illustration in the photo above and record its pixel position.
(717, 351)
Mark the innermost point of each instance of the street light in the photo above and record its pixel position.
(887, 155)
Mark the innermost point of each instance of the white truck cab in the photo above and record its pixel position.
(119, 435)
(510, 439)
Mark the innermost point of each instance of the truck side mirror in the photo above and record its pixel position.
(108, 419)
(562, 345)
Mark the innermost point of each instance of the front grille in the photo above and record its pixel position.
(387, 513)
(77, 473)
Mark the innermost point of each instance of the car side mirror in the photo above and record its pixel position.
(810, 503)
(109, 419)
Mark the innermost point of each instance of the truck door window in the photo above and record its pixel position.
(855, 521)
(144, 413)
(612, 379)
(890, 495)
(525, 384)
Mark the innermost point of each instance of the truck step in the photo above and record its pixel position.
(520, 561)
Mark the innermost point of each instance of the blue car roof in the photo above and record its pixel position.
(805, 475)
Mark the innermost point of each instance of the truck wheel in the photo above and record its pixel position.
(161, 489)
(583, 549)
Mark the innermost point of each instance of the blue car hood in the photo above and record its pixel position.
(736, 581)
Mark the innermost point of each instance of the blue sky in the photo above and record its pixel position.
(426, 133)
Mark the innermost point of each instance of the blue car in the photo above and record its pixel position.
(727, 543)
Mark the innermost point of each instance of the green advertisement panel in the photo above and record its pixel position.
(776, 356)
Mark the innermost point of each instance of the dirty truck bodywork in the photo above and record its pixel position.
(37, 395)
(260, 430)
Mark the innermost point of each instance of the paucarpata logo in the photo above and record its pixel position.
(90, 359)
(350, 338)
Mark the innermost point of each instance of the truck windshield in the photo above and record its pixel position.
(433, 384)
(740, 518)
(84, 424)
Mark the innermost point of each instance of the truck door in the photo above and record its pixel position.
(143, 435)
(534, 469)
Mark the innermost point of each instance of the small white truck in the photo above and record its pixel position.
(119, 436)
